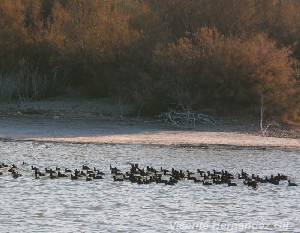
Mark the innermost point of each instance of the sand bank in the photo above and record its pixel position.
(93, 130)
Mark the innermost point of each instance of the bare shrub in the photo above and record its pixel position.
(27, 84)
(188, 119)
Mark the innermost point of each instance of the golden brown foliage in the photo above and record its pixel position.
(194, 53)
(209, 68)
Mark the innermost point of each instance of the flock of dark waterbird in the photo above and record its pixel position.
(149, 175)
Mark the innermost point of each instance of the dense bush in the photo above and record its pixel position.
(211, 69)
(194, 54)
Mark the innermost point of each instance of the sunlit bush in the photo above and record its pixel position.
(209, 69)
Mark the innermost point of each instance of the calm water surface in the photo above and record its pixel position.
(29, 205)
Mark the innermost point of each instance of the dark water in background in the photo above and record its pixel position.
(62, 205)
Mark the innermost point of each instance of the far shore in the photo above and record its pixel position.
(181, 139)
(86, 131)
(90, 122)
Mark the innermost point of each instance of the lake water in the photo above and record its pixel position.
(62, 205)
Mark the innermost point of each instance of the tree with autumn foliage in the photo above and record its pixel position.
(195, 54)
(209, 68)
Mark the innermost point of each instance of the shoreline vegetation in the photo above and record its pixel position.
(100, 121)
(121, 64)
(156, 56)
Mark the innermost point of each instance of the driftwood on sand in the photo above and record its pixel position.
(186, 119)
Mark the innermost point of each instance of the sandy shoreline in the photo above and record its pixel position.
(71, 120)
(199, 139)
(93, 130)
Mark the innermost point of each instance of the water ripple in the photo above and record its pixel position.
(29, 205)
